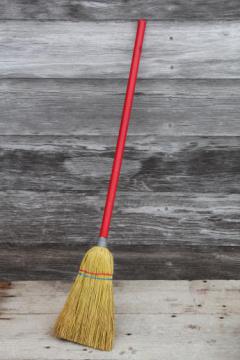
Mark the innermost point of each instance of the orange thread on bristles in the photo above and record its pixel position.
(94, 273)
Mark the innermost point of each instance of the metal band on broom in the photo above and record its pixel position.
(88, 314)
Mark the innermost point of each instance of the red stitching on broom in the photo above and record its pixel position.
(93, 273)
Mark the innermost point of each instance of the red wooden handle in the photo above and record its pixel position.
(127, 107)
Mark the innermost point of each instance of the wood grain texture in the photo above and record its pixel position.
(62, 84)
(93, 107)
(103, 49)
(152, 163)
(142, 218)
(49, 261)
(119, 9)
(199, 297)
(170, 320)
(176, 217)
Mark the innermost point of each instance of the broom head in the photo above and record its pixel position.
(88, 314)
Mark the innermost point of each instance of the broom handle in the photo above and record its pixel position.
(127, 107)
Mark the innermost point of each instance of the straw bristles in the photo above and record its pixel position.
(88, 314)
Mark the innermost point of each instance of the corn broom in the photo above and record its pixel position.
(88, 314)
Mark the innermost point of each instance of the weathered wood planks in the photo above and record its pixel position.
(170, 320)
(170, 218)
(199, 297)
(93, 107)
(119, 9)
(186, 164)
(62, 83)
(178, 203)
(19, 261)
(103, 49)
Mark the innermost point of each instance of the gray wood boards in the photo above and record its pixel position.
(103, 49)
(178, 218)
(186, 164)
(63, 73)
(175, 320)
(176, 107)
(87, 10)
(45, 260)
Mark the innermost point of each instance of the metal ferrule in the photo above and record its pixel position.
(102, 242)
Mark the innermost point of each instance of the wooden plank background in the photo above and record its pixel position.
(62, 84)
(86, 10)
(61, 49)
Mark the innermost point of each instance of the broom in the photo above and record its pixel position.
(88, 314)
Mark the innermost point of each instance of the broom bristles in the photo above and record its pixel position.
(88, 314)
